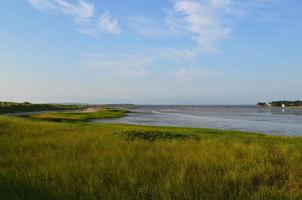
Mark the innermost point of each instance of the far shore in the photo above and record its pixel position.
(278, 107)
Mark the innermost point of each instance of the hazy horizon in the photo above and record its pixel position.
(151, 52)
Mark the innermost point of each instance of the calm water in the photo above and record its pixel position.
(246, 118)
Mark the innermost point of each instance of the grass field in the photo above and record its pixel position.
(62, 160)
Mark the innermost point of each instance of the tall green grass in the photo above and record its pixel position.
(49, 160)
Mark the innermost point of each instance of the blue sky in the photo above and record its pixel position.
(151, 51)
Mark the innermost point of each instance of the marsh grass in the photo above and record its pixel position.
(50, 160)
(79, 116)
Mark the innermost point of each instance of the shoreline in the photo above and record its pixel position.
(108, 116)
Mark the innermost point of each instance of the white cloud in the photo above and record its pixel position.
(204, 20)
(42, 4)
(82, 13)
(108, 24)
(190, 74)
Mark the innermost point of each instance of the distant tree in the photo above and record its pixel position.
(261, 104)
(286, 103)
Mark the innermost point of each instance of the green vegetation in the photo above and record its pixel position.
(50, 160)
(152, 135)
(80, 116)
(11, 107)
(286, 103)
(280, 103)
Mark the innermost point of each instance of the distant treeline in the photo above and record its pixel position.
(286, 103)
(11, 107)
(120, 106)
(280, 103)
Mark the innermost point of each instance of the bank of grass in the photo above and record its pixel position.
(80, 116)
(51, 160)
(12, 107)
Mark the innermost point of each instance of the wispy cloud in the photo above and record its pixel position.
(82, 13)
(42, 4)
(209, 22)
(108, 24)
(204, 20)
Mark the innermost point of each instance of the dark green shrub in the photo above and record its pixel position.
(152, 135)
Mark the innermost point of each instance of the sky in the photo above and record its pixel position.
(151, 51)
